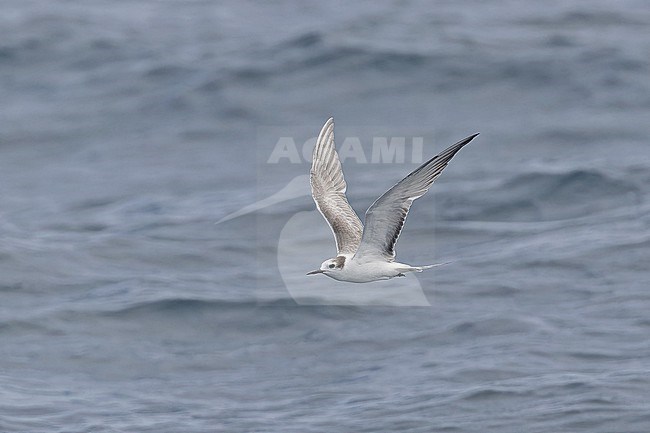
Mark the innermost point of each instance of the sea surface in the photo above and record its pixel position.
(129, 128)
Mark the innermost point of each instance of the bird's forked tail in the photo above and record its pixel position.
(425, 267)
(403, 267)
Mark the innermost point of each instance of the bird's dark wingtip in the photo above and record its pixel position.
(464, 141)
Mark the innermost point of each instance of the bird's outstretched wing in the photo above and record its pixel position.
(328, 190)
(385, 218)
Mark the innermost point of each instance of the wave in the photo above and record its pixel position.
(308, 53)
(236, 309)
(546, 197)
(583, 183)
(498, 326)
(585, 18)
(442, 69)
(182, 305)
(493, 393)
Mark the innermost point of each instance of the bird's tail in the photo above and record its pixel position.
(425, 267)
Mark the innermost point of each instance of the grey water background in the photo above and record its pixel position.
(128, 128)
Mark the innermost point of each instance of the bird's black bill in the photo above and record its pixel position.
(317, 271)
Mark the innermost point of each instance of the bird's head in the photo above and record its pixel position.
(330, 266)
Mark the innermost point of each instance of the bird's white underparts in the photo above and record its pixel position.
(367, 253)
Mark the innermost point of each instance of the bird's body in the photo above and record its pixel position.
(367, 253)
(355, 272)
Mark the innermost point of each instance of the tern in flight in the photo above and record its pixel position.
(367, 253)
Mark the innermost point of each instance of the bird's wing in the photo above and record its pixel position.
(328, 190)
(385, 218)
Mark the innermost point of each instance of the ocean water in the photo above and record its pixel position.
(127, 129)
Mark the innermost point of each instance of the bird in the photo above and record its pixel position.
(367, 253)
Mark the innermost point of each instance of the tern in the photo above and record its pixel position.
(366, 254)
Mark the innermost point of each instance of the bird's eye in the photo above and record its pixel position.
(332, 266)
